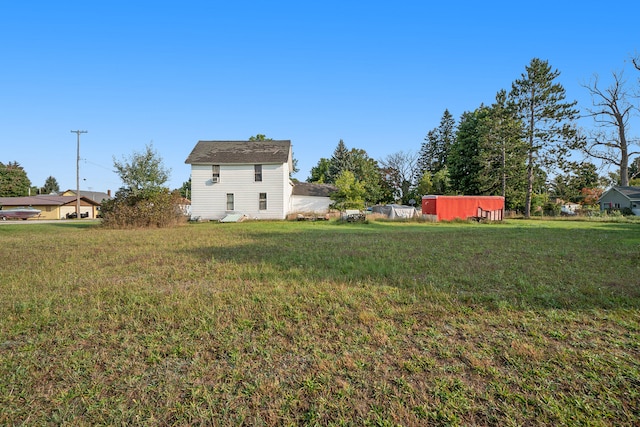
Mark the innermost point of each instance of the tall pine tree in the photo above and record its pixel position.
(547, 118)
(340, 162)
(465, 167)
(436, 146)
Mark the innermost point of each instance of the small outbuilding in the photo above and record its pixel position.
(394, 211)
(311, 198)
(447, 208)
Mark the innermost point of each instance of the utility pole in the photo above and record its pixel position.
(78, 132)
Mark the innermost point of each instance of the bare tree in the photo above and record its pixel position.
(399, 169)
(611, 110)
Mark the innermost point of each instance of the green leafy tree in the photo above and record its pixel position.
(548, 120)
(320, 172)
(425, 186)
(367, 171)
(441, 181)
(13, 180)
(260, 137)
(350, 192)
(143, 201)
(50, 186)
(143, 172)
(570, 185)
(185, 190)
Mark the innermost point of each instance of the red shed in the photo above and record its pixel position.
(437, 208)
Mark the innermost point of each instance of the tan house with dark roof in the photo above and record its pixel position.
(53, 207)
(251, 179)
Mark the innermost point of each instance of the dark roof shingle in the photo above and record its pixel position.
(224, 152)
(312, 189)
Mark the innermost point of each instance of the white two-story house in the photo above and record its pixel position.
(240, 177)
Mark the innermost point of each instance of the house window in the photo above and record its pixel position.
(257, 170)
(229, 201)
(215, 173)
(262, 202)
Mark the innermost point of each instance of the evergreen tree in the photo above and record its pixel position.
(503, 154)
(435, 148)
(50, 186)
(465, 167)
(340, 161)
(13, 180)
(547, 118)
(578, 176)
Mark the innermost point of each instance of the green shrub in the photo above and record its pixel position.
(551, 209)
(157, 209)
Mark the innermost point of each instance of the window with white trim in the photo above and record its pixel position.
(257, 172)
(230, 201)
(215, 173)
(262, 201)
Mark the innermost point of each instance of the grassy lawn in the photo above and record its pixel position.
(297, 323)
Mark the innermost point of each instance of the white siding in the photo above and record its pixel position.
(209, 200)
(310, 204)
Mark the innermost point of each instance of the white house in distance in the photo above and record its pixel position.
(247, 178)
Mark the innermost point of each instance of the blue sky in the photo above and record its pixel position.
(376, 74)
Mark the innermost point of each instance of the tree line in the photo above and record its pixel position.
(522, 146)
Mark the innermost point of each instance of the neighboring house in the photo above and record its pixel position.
(250, 178)
(308, 198)
(621, 197)
(96, 196)
(53, 207)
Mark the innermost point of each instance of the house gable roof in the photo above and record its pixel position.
(631, 193)
(239, 152)
(96, 196)
(312, 189)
